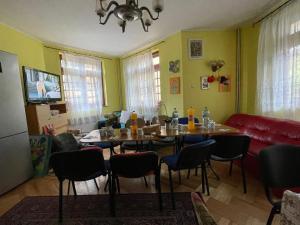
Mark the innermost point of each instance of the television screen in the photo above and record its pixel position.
(41, 86)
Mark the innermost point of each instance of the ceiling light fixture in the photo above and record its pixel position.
(128, 12)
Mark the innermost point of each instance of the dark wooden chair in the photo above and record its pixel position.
(76, 166)
(280, 168)
(134, 165)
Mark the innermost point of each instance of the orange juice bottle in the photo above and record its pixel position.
(191, 120)
(133, 118)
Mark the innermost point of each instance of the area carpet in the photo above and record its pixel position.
(131, 209)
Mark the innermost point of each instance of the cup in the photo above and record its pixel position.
(123, 131)
(103, 132)
(140, 132)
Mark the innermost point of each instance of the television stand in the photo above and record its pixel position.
(40, 115)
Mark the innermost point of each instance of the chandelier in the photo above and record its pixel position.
(128, 12)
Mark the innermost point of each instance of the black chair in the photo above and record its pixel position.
(189, 157)
(190, 139)
(66, 142)
(134, 165)
(230, 148)
(76, 166)
(135, 145)
(280, 168)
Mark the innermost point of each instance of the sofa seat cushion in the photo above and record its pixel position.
(256, 146)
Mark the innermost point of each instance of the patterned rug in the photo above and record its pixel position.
(131, 209)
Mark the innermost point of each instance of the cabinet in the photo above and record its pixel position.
(40, 115)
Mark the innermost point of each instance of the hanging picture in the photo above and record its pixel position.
(204, 83)
(174, 66)
(175, 85)
(224, 83)
(195, 49)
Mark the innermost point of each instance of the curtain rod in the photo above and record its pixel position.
(90, 55)
(143, 50)
(273, 11)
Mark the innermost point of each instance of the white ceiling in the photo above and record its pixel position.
(73, 23)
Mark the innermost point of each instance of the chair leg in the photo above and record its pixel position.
(171, 189)
(158, 186)
(74, 189)
(244, 176)
(206, 179)
(202, 179)
(146, 183)
(69, 184)
(95, 181)
(189, 174)
(60, 208)
(112, 190)
(271, 216)
(107, 184)
(118, 184)
(214, 172)
(230, 169)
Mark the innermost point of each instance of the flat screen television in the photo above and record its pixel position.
(41, 86)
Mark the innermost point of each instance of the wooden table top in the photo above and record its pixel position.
(219, 129)
(94, 136)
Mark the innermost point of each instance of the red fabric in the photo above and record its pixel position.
(264, 131)
(91, 148)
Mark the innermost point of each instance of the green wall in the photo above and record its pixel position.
(29, 50)
(249, 47)
(32, 52)
(216, 45)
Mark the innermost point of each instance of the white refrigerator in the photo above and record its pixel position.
(15, 156)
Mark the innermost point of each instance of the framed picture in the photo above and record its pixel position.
(224, 83)
(175, 85)
(204, 83)
(195, 49)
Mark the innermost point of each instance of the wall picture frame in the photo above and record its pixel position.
(195, 48)
(204, 84)
(175, 85)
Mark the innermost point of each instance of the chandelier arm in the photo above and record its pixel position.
(109, 6)
(106, 19)
(144, 26)
(150, 14)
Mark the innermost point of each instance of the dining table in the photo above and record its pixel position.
(94, 136)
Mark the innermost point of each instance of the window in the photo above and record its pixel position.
(157, 74)
(278, 65)
(142, 84)
(83, 88)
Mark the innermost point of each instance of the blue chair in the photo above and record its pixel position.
(189, 157)
(189, 140)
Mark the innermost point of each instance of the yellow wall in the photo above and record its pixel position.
(249, 46)
(29, 50)
(216, 45)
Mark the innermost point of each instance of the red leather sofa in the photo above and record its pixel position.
(264, 131)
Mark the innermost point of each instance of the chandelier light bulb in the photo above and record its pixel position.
(158, 5)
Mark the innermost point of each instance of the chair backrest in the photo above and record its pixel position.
(230, 146)
(65, 142)
(134, 165)
(140, 123)
(185, 120)
(193, 155)
(78, 165)
(280, 166)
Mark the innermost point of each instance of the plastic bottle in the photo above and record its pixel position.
(191, 118)
(205, 117)
(133, 118)
(175, 116)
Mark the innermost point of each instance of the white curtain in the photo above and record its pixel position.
(139, 78)
(278, 64)
(82, 80)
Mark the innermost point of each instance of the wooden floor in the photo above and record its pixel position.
(227, 203)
